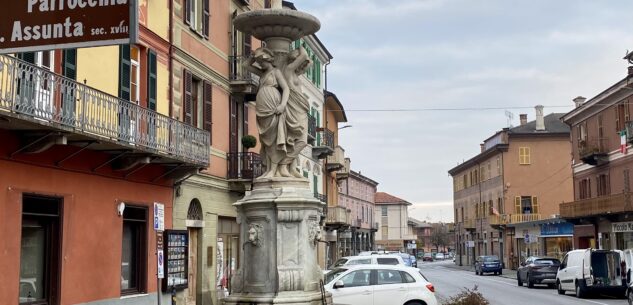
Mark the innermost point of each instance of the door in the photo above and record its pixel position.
(356, 290)
(192, 267)
(390, 287)
(563, 273)
(35, 86)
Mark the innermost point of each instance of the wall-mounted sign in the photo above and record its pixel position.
(626, 226)
(34, 25)
(470, 244)
(554, 229)
(159, 216)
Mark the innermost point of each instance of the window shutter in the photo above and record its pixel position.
(124, 71)
(245, 119)
(535, 205)
(247, 45)
(207, 107)
(69, 65)
(233, 142)
(188, 103)
(517, 205)
(188, 5)
(205, 18)
(617, 118)
(27, 56)
(151, 80)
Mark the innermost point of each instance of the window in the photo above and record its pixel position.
(365, 261)
(524, 155)
(600, 127)
(197, 15)
(385, 232)
(356, 278)
(383, 211)
(134, 253)
(135, 75)
(526, 205)
(386, 277)
(197, 102)
(407, 277)
(603, 185)
(387, 261)
(498, 165)
(619, 117)
(39, 250)
(584, 187)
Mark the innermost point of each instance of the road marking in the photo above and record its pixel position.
(593, 302)
(502, 282)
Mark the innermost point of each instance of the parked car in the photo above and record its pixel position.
(376, 259)
(628, 264)
(406, 258)
(590, 270)
(629, 294)
(538, 270)
(488, 263)
(428, 257)
(379, 284)
(439, 256)
(414, 261)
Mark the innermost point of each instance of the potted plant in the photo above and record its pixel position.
(248, 142)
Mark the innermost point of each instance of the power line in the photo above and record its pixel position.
(444, 109)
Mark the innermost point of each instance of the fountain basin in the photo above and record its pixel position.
(277, 24)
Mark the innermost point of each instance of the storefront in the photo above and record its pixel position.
(557, 238)
(526, 240)
(623, 232)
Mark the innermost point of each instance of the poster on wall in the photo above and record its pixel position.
(176, 255)
(220, 281)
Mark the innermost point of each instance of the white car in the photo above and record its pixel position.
(379, 285)
(376, 259)
(439, 256)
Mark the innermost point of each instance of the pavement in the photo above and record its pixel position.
(450, 279)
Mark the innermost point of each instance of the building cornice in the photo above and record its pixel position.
(216, 78)
(499, 148)
(604, 99)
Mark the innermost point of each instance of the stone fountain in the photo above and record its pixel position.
(280, 218)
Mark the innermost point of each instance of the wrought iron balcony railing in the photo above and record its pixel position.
(321, 197)
(612, 204)
(43, 97)
(325, 138)
(244, 165)
(238, 73)
(504, 219)
(594, 150)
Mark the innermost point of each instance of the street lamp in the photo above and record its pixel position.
(343, 127)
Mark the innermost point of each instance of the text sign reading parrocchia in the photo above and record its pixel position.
(33, 25)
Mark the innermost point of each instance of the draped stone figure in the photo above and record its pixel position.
(270, 107)
(297, 109)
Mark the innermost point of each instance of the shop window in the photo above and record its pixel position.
(39, 251)
(134, 253)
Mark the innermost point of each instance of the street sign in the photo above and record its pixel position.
(527, 238)
(35, 25)
(470, 244)
(159, 216)
(161, 263)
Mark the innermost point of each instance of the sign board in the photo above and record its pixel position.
(410, 246)
(35, 25)
(161, 263)
(557, 229)
(618, 227)
(470, 244)
(159, 216)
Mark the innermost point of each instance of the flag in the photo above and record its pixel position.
(494, 211)
(623, 145)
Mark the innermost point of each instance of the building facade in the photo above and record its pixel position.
(502, 194)
(394, 232)
(356, 194)
(90, 149)
(601, 137)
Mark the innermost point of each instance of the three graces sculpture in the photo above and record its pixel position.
(282, 109)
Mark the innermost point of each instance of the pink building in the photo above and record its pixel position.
(356, 194)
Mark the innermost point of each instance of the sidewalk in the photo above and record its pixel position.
(507, 273)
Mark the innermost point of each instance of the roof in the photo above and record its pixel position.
(334, 103)
(384, 198)
(360, 176)
(553, 125)
(419, 223)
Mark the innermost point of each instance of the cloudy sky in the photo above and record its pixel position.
(400, 64)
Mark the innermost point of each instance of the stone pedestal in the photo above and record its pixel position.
(279, 225)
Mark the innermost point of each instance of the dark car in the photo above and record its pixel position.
(428, 257)
(488, 263)
(538, 270)
(414, 261)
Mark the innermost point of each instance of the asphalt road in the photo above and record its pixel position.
(498, 290)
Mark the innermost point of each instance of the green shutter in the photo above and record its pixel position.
(151, 80)
(315, 181)
(124, 71)
(69, 69)
(69, 65)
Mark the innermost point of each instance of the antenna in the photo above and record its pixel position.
(510, 117)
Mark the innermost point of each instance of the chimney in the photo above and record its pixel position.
(540, 122)
(482, 147)
(579, 101)
(523, 118)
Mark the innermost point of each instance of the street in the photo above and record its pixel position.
(449, 281)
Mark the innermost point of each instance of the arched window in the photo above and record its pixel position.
(195, 210)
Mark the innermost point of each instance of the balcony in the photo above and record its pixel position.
(358, 223)
(324, 144)
(312, 123)
(469, 224)
(375, 226)
(244, 166)
(36, 101)
(410, 237)
(343, 173)
(336, 161)
(241, 79)
(337, 216)
(505, 219)
(594, 151)
(613, 204)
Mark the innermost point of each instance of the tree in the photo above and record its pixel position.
(439, 239)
